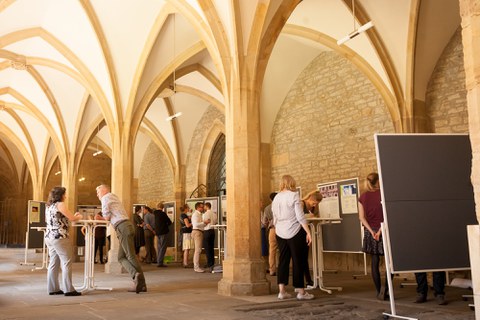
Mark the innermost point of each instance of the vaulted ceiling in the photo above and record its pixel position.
(70, 70)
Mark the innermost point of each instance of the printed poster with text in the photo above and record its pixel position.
(348, 198)
(329, 206)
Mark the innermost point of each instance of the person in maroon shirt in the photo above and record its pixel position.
(370, 213)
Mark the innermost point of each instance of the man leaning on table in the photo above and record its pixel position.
(113, 211)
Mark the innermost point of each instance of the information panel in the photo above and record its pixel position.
(340, 201)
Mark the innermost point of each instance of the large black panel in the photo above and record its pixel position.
(344, 236)
(429, 235)
(428, 199)
(425, 167)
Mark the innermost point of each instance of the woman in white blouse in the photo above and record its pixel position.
(293, 235)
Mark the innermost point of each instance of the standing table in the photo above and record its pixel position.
(315, 225)
(221, 246)
(44, 251)
(89, 278)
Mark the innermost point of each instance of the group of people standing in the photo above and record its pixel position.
(197, 230)
(155, 223)
(60, 249)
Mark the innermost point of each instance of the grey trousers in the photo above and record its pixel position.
(126, 250)
(161, 248)
(61, 256)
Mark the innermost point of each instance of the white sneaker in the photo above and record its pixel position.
(283, 296)
(309, 287)
(199, 270)
(305, 296)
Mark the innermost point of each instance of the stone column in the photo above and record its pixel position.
(243, 269)
(122, 180)
(470, 13)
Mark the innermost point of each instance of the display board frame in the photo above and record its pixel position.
(36, 218)
(346, 236)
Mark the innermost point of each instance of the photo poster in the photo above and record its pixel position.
(170, 210)
(88, 212)
(36, 218)
(349, 198)
(329, 207)
(222, 219)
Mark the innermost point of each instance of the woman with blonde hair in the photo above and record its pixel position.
(293, 235)
(370, 213)
(310, 206)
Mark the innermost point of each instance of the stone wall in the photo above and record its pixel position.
(446, 97)
(324, 129)
(324, 132)
(199, 136)
(96, 170)
(156, 178)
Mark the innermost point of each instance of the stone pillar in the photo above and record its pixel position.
(243, 269)
(470, 13)
(422, 121)
(179, 191)
(122, 180)
(474, 251)
(266, 173)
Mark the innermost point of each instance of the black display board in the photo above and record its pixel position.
(36, 218)
(347, 235)
(427, 200)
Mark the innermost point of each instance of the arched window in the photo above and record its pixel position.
(217, 172)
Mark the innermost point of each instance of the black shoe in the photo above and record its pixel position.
(56, 292)
(441, 300)
(161, 265)
(421, 298)
(73, 294)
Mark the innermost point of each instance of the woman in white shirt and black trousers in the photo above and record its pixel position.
(293, 236)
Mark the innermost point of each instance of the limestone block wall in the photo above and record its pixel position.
(324, 132)
(324, 129)
(156, 178)
(96, 170)
(199, 137)
(446, 97)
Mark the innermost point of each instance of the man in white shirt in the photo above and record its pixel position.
(113, 211)
(197, 234)
(209, 218)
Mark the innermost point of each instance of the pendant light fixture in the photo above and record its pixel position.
(355, 31)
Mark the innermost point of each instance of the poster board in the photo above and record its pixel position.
(36, 218)
(427, 200)
(170, 210)
(341, 202)
(222, 219)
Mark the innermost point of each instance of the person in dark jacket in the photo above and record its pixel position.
(162, 222)
(139, 234)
